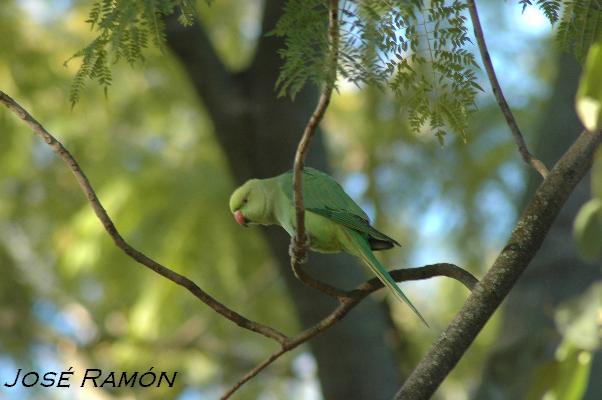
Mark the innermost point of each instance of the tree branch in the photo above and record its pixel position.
(347, 300)
(499, 95)
(109, 226)
(525, 240)
(421, 273)
(352, 299)
(252, 373)
(299, 241)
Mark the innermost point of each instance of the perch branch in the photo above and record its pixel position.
(499, 95)
(526, 238)
(347, 300)
(120, 242)
(299, 242)
(352, 299)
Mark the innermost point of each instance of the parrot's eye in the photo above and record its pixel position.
(245, 200)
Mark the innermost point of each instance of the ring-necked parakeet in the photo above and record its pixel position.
(334, 222)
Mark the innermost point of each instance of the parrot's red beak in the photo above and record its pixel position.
(240, 218)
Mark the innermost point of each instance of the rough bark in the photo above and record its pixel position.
(259, 134)
(524, 242)
(528, 337)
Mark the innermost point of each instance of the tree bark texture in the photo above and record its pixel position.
(528, 337)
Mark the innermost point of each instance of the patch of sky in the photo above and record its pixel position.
(41, 154)
(8, 372)
(47, 358)
(68, 324)
(305, 368)
(45, 11)
(440, 219)
(530, 20)
(355, 185)
(250, 25)
(516, 42)
(432, 245)
(433, 223)
(192, 393)
(500, 215)
(513, 177)
(48, 313)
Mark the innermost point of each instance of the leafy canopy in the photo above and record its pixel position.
(124, 28)
(418, 49)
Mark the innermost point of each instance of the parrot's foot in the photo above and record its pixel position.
(298, 251)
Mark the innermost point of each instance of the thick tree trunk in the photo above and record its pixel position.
(528, 337)
(259, 134)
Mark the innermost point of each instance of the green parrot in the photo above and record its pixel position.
(333, 221)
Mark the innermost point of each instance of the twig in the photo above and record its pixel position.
(353, 299)
(109, 226)
(252, 373)
(526, 238)
(421, 273)
(499, 95)
(299, 242)
(314, 283)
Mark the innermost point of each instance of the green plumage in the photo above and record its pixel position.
(324, 196)
(334, 222)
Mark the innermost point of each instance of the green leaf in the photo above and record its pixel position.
(565, 378)
(123, 29)
(579, 26)
(588, 230)
(589, 94)
(579, 320)
(418, 51)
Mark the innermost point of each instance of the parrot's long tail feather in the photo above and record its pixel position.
(379, 270)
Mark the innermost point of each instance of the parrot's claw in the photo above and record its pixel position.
(298, 251)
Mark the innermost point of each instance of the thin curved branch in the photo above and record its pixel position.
(252, 373)
(499, 95)
(421, 273)
(314, 283)
(362, 291)
(298, 242)
(120, 242)
(352, 299)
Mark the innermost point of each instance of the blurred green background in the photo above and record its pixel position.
(164, 168)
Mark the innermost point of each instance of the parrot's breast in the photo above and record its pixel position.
(323, 233)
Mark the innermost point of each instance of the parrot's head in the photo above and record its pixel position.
(249, 203)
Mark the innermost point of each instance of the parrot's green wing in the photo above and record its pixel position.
(324, 196)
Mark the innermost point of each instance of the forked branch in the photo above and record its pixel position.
(499, 95)
(352, 299)
(526, 238)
